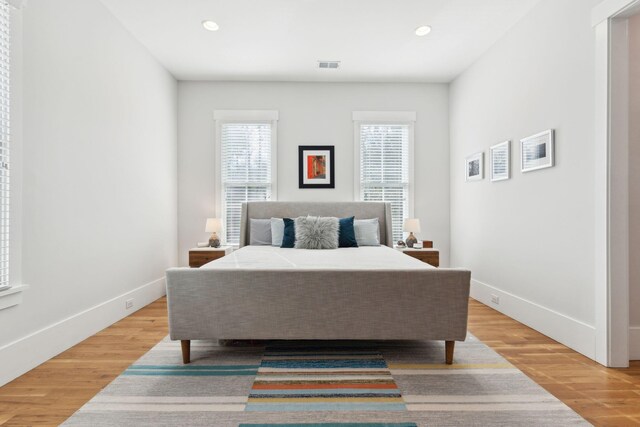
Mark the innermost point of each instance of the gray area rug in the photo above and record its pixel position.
(323, 384)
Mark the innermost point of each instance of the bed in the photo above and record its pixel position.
(365, 293)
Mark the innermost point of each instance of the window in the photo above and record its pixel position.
(5, 105)
(247, 152)
(383, 162)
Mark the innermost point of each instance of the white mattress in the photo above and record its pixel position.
(363, 258)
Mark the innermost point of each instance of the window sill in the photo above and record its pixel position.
(12, 296)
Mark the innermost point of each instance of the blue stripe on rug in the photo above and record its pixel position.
(298, 407)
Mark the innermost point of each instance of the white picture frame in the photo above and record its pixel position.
(474, 167)
(537, 151)
(500, 157)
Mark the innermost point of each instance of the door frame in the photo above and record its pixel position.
(612, 181)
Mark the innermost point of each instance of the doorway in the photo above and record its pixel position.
(617, 26)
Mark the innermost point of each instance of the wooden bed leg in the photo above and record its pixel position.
(449, 345)
(186, 351)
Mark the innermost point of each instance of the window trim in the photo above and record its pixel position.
(222, 117)
(384, 118)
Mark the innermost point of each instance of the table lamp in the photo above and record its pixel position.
(213, 226)
(411, 225)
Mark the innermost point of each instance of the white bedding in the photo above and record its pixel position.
(362, 258)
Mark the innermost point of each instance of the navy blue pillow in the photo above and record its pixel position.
(347, 234)
(289, 238)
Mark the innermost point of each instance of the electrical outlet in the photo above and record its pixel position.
(128, 304)
(495, 299)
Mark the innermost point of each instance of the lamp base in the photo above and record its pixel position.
(411, 240)
(214, 241)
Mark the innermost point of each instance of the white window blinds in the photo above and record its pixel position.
(384, 169)
(5, 106)
(245, 170)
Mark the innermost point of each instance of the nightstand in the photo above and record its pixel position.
(200, 256)
(429, 255)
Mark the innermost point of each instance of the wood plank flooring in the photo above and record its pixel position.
(50, 393)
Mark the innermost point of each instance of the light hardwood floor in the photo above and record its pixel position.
(49, 394)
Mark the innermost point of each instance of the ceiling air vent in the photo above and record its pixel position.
(328, 64)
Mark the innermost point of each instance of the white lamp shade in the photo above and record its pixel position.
(412, 225)
(214, 225)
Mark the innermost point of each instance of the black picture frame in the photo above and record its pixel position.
(303, 153)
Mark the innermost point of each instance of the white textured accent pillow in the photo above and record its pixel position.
(367, 232)
(277, 231)
(315, 232)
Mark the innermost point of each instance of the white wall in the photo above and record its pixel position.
(312, 114)
(530, 240)
(99, 169)
(634, 182)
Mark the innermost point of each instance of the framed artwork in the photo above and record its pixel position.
(500, 161)
(537, 151)
(474, 167)
(316, 166)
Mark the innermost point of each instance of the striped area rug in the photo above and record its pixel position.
(323, 384)
(337, 378)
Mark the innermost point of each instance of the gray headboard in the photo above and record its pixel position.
(361, 210)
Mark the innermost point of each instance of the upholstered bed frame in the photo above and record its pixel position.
(384, 304)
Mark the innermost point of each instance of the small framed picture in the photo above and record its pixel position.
(474, 167)
(316, 166)
(500, 161)
(537, 151)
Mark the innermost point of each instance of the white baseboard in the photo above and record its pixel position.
(26, 353)
(634, 343)
(571, 332)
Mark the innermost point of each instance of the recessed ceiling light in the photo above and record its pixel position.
(423, 30)
(210, 25)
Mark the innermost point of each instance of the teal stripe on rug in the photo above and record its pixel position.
(333, 353)
(195, 367)
(191, 370)
(188, 373)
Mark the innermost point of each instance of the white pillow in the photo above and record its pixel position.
(260, 232)
(367, 232)
(277, 231)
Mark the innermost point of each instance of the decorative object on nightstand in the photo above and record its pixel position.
(214, 225)
(201, 256)
(411, 225)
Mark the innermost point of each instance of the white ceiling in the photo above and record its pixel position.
(282, 40)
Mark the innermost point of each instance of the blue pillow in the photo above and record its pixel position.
(347, 234)
(289, 238)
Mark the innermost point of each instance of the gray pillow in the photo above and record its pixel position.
(314, 232)
(260, 232)
(367, 232)
(277, 231)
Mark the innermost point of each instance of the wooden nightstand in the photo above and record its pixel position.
(429, 255)
(200, 256)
